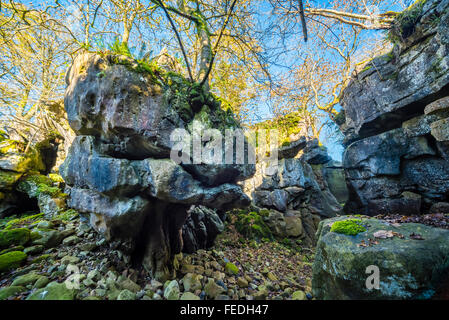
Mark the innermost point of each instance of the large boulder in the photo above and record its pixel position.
(412, 260)
(383, 169)
(123, 170)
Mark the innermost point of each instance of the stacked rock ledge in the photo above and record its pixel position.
(118, 170)
(396, 121)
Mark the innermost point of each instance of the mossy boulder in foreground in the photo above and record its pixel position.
(413, 260)
(11, 260)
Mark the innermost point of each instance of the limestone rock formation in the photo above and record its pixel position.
(396, 112)
(296, 183)
(119, 169)
(295, 189)
(412, 260)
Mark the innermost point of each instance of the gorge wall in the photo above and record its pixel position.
(396, 120)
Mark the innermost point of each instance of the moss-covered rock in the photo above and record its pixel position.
(41, 282)
(36, 184)
(8, 179)
(231, 268)
(10, 291)
(299, 295)
(26, 279)
(15, 248)
(23, 221)
(50, 238)
(252, 225)
(13, 157)
(53, 291)
(51, 199)
(42, 258)
(14, 237)
(11, 260)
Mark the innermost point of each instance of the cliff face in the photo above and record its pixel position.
(396, 111)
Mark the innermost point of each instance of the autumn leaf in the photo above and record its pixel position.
(416, 236)
(399, 235)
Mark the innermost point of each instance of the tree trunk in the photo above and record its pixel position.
(206, 54)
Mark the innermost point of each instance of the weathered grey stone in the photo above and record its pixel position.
(289, 184)
(127, 112)
(408, 268)
(113, 217)
(118, 170)
(200, 229)
(440, 129)
(439, 207)
(399, 85)
(380, 168)
(396, 128)
(437, 106)
(292, 149)
(314, 153)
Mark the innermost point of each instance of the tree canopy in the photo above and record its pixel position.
(263, 59)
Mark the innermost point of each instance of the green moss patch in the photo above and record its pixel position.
(286, 125)
(405, 22)
(251, 225)
(41, 258)
(8, 179)
(14, 237)
(66, 215)
(15, 248)
(23, 221)
(36, 184)
(231, 268)
(11, 260)
(349, 227)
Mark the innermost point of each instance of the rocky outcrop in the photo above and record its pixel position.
(296, 183)
(396, 110)
(119, 169)
(295, 189)
(412, 261)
